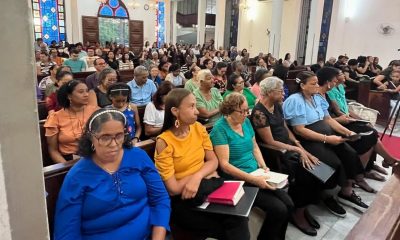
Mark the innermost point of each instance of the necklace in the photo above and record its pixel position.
(80, 122)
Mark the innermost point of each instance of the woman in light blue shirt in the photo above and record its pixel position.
(307, 113)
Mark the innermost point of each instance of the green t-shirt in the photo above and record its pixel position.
(212, 104)
(189, 85)
(76, 66)
(338, 94)
(250, 97)
(240, 147)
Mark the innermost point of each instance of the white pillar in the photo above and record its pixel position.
(22, 195)
(174, 25)
(220, 23)
(314, 30)
(201, 21)
(73, 24)
(276, 25)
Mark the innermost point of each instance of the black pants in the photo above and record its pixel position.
(304, 189)
(221, 227)
(343, 158)
(277, 206)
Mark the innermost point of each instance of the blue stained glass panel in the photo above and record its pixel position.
(49, 21)
(113, 3)
(121, 13)
(161, 24)
(106, 11)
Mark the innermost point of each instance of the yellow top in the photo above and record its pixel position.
(183, 156)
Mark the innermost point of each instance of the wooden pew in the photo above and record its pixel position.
(81, 76)
(46, 159)
(42, 110)
(382, 219)
(126, 75)
(53, 178)
(380, 101)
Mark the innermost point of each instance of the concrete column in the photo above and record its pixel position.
(220, 23)
(276, 25)
(201, 21)
(22, 194)
(314, 30)
(73, 24)
(174, 25)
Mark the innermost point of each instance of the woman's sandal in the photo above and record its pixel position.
(387, 164)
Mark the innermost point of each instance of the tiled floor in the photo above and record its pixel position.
(332, 227)
(336, 228)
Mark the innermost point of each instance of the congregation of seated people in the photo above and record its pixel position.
(175, 91)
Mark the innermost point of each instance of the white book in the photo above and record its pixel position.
(278, 180)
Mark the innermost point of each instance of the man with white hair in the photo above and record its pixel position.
(142, 88)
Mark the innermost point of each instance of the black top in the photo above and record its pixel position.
(102, 98)
(261, 117)
(352, 73)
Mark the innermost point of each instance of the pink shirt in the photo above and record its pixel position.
(256, 90)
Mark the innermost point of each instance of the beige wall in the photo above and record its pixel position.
(290, 28)
(20, 158)
(253, 24)
(358, 35)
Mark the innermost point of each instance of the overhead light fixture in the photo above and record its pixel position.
(133, 4)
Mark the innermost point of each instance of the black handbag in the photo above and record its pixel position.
(206, 187)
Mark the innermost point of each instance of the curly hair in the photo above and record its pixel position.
(95, 125)
(231, 103)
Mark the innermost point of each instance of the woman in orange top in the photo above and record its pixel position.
(64, 127)
(184, 157)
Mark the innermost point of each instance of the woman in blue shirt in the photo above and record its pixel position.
(307, 113)
(114, 192)
(238, 154)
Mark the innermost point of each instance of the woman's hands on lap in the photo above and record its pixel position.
(191, 187)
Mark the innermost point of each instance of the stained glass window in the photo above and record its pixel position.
(113, 8)
(113, 22)
(160, 24)
(48, 20)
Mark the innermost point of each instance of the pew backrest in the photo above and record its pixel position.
(382, 219)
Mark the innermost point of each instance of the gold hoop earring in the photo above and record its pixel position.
(93, 148)
(177, 123)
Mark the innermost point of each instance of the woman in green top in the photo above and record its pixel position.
(208, 98)
(236, 84)
(238, 155)
(193, 83)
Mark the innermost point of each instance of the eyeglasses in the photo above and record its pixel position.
(106, 140)
(240, 83)
(244, 111)
(278, 90)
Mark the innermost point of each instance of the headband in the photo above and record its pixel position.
(119, 89)
(101, 113)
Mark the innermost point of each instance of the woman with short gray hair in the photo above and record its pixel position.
(271, 129)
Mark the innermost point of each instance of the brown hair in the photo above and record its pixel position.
(174, 99)
(231, 103)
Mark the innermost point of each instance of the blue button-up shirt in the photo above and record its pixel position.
(141, 95)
